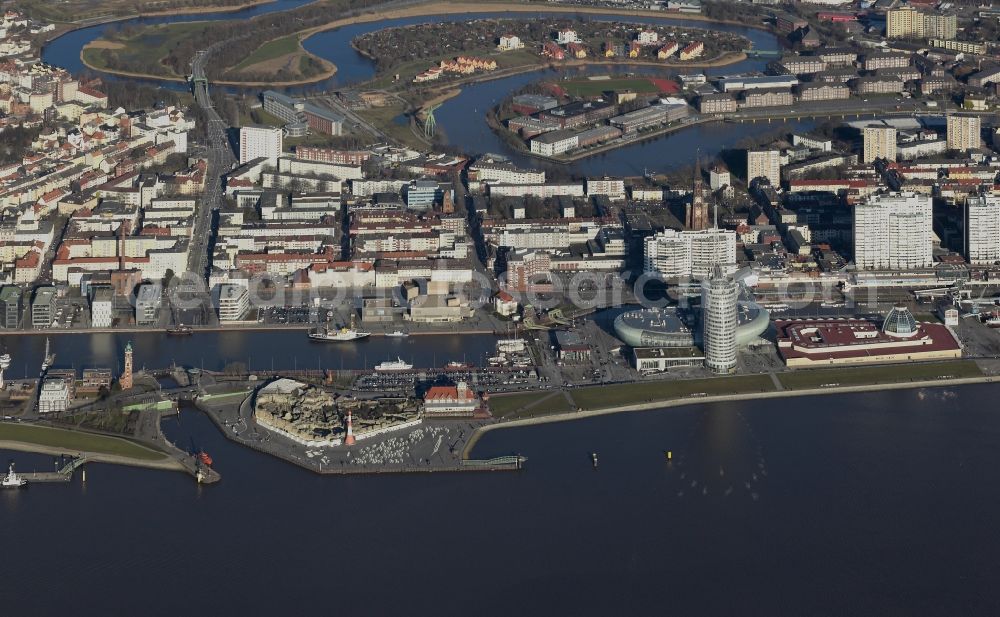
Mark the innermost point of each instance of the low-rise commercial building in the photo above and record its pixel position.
(820, 342)
(766, 98)
(823, 92)
(716, 104)
(647, 117)
(554, 143)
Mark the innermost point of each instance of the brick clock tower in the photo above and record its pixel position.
(125, 381)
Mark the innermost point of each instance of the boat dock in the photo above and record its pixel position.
(36, 477)
(64, 474)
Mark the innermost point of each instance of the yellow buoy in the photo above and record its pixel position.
(670, 455)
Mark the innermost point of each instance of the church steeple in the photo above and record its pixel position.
(697, 212)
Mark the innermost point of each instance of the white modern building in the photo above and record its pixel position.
(719, 177)
(983, 229)
(720, 319)
(678, 254)
(53, 396)
(880, 143)
(260, 142)
(566, 36)
(147, 304)
(233, 302)
(101, 308)
(764, 164)
(893, 231)
(964, 132)
(554, 143)
(510, 42)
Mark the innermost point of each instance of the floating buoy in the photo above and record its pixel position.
(670, 455)
(83, 475)
(593, 457)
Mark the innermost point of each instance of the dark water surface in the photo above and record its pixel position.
(260, 350)
(862, 504)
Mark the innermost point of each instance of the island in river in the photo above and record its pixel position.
(277, 56)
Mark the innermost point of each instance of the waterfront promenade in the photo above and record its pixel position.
(697, 399)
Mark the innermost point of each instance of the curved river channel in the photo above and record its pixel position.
(461, 119)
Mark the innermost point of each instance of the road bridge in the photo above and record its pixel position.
(762, 53)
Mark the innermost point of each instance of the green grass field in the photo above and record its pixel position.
(145, 51)
(601, 397)
(74, 440)
(271, 50)
(388, 119)
(504, 405)
(868, 375)
(259, 116)
(593, 87)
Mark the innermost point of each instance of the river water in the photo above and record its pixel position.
(260, 350)
(461, 119)
(862, 504)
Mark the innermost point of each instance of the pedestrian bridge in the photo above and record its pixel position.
(762, 53)
(500, 462)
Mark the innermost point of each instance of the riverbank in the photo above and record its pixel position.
(165, 464)
(722, 398)
(93, 447)
(462, 7)
(329, 71)
(620, 143)
(66, 27)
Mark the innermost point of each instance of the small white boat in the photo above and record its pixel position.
(397, 334)
(394, 365)
(12, 480)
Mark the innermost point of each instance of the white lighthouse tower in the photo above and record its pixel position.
(349, 438)
(4, 365)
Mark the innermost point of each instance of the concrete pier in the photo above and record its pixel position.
(46, 476)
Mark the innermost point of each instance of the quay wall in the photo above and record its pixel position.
(699, 400)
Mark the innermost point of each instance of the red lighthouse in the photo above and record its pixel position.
(349, 439)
